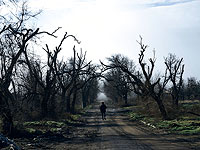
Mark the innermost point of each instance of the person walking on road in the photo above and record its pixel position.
(103, 110)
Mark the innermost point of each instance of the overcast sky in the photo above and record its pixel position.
(107, 27)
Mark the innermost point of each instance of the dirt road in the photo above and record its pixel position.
(117, 132)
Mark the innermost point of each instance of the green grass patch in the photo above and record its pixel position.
(41, 127)
(133, 107)
(30, 130)
(136, 116)
(184, 120)
(190, 131)
(75, 117)
(44, 127)
(45, 123)
(186, 125)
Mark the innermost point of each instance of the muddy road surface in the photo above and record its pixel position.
(117, 132)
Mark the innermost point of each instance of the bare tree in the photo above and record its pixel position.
(15, 38)
(46, 76)
(28, 90)
(192, 88)
(118, 79)
(83, 72)
(89, 91)
(4, 2)
(88, 84)
(149, 86)
(175, 67)
(143, 83)
(67, 75)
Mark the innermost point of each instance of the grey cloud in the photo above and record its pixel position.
(168, 3)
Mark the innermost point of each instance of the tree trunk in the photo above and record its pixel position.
(84, 101)
(85, 96)
(125, 98)
(176, 102)
(74, 101)
(7, 122)
(175, 98)
(162, 108)
(68, 103)
(116, 99)
(68, 99)
(51, 110)
(63, 99)
(44, 107)
(5, 115)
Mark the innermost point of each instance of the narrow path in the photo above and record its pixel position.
(117, 132)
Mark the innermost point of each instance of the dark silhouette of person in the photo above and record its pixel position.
(103, 110)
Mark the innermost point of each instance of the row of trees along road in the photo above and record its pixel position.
(30, 87)
(123, 77)
(190, 89)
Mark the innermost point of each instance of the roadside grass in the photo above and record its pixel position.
(184, 123)
(47, 127)
(64, 123)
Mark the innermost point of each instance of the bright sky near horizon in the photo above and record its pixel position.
(107, 27)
